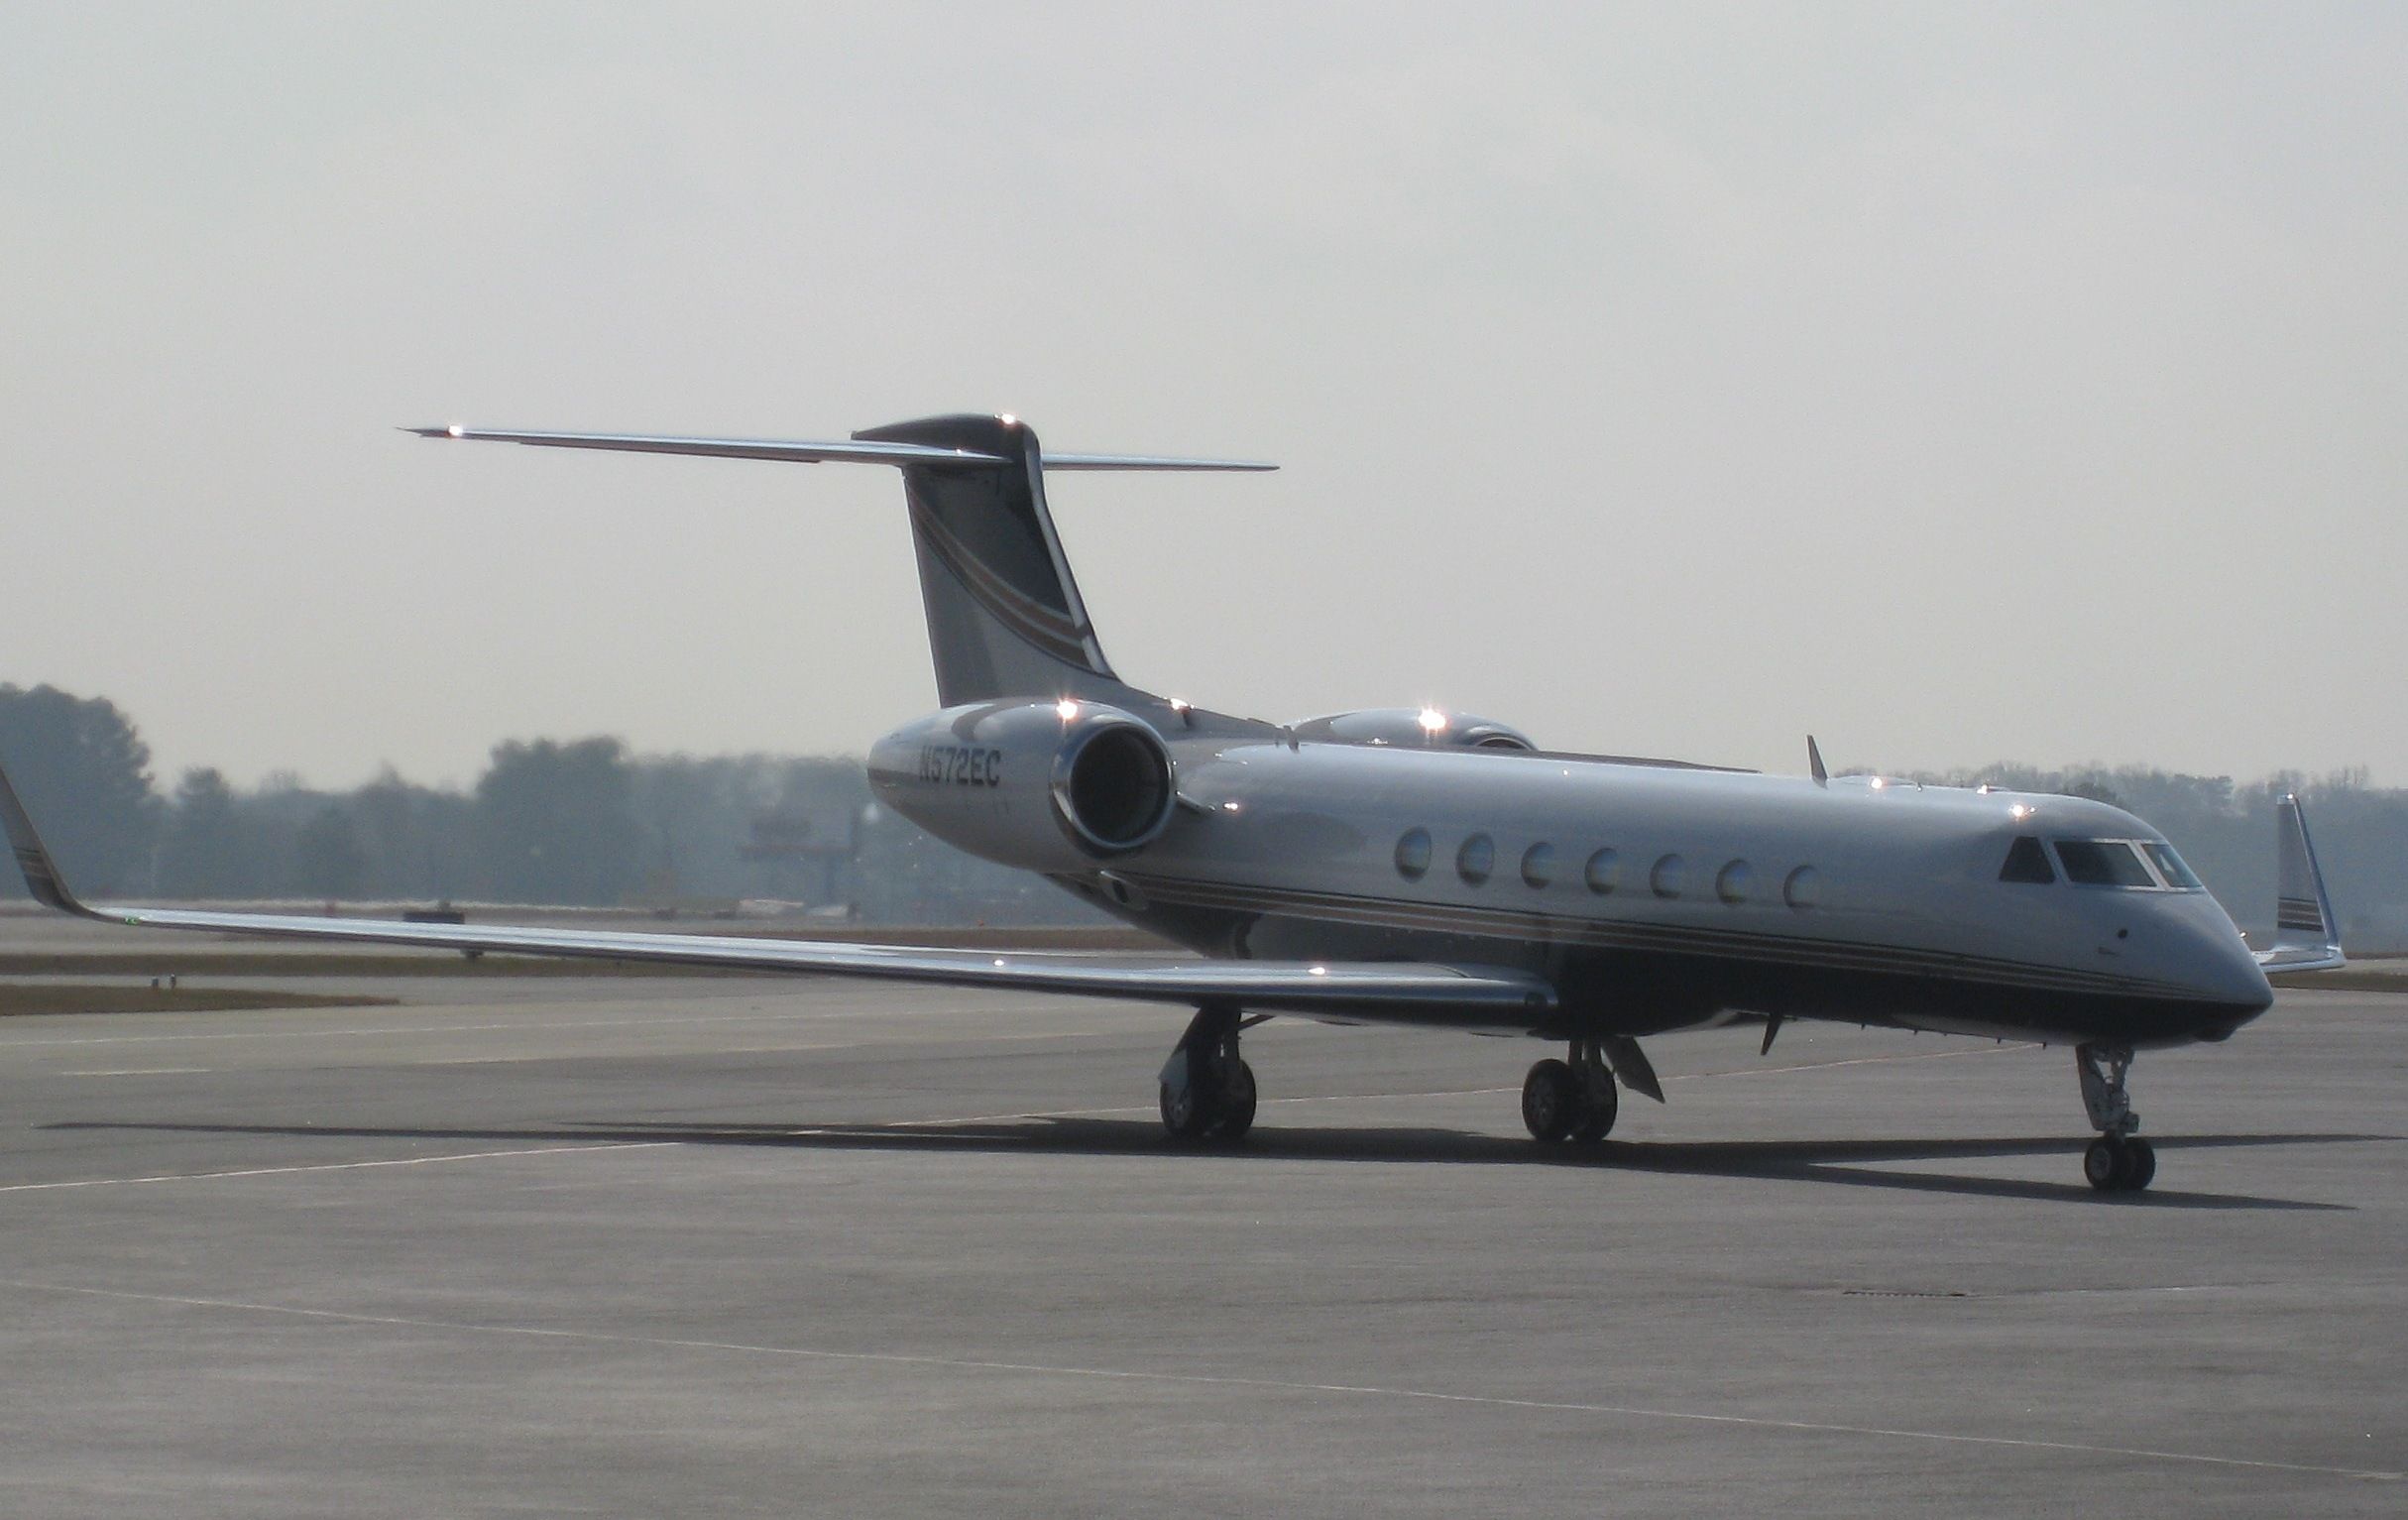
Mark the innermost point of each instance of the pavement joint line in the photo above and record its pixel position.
(1211, 1380)
(332, 1166)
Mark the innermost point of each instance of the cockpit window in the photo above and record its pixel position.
(2102, 863)
(2026, 862)
(2169, 866)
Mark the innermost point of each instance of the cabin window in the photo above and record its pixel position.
(1731, 884)
(1539, 865)
(1665, 879)
(2102, 863)
(1803, 888)
(1412, 855)
(1477, 859)
(2169, 866)
(1602, 870)
(2026, 862)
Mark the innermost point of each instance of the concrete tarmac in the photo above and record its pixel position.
(655, 1247)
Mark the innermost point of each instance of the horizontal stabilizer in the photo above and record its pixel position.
(850, 451)
(2307, 937)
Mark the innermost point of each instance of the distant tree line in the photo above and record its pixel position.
(573, 822)
(584, 822)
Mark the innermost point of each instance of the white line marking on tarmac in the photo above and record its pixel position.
(1208, 1380)
(335, 1166)
(146, 1071)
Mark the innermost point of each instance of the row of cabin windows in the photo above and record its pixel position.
(2145, 864)
(1601, 872)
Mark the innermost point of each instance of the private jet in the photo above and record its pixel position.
(1417, 867)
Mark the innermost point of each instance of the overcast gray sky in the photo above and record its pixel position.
(1959, 383)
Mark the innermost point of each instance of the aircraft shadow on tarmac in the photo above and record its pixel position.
(1852, 1163)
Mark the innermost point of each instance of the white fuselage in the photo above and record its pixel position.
(1653, 896)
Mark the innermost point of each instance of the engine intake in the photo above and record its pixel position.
(1113, 783)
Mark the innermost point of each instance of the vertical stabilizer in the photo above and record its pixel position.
(2307, 935)
(1004, 616)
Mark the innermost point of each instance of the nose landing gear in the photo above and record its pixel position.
(1208, 1088)
(2119, 1161)
(1573, 1100)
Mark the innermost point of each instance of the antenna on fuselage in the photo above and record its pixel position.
(1815, 765)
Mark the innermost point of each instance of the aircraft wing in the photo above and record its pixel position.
(1371, 990)
(2305, 935)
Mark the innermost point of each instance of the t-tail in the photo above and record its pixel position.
(1005, 615)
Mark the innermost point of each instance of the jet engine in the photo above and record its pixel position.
(1045, 785)
(1412, 728)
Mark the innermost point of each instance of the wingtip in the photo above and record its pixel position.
(42, 879)
(448, 430)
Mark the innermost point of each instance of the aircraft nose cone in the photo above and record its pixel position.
(2242, 981)
(2216, 959)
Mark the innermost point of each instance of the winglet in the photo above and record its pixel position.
(41, 876)
(1814, 763)
(2306, 934)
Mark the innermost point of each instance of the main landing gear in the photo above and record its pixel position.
(2119, 1161)
(1571, 1100)
(1208, 1088)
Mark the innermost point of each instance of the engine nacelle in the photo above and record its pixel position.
(1415, 727)
(1046, 785)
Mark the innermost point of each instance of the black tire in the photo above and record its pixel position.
(2139, 1165)
(1189, 1113)
(1237, 1105)
(2102, 1165)
(1550, 1102)
(1598, 1107)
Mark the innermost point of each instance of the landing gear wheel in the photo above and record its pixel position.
(1598, 1106)
(2119, 1163)
(2102, 1163)
(1550, 1102)
(1236, 1103)
(1187, 1110)
(2140, 1163)
(1207, 1091)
